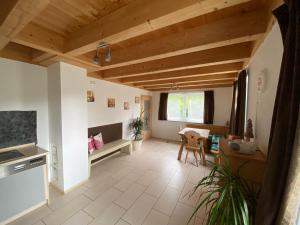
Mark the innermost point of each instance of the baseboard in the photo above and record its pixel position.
(24, 212)
(75, 186)
(166, 140)
(69, 189)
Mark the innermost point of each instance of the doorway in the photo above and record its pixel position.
(146, 115)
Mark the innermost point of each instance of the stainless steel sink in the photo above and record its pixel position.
(9, 155)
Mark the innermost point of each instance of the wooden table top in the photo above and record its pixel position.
(258, 156)
(203, 132)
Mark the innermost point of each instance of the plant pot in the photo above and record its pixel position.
(137, 145)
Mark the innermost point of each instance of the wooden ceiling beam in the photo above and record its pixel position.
(232, 30)
(216, 56)
(191, 84)
(52, 44)
(229, 81)
(40, 38)
(16, 52)
(201, 71)
(192, 87)
(138, 18)
(194, 79)
(15, 15)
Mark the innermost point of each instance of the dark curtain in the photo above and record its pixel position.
(209, 107)
(163, 106)
(285, 117)
(237, 118)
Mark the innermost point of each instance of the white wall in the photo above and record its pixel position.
(260, 106)
(23, 86)
(168, 129)
(69, 134)
(98, 112)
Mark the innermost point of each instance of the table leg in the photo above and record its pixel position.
(180, 150)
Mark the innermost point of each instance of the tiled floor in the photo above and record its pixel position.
(148, 187)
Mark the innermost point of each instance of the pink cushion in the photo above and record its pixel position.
(98, 141)
(91, 145)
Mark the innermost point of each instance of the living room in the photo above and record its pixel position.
(114, 114)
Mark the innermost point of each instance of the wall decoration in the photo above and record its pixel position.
(111, 103)
(137, 100)
(126, 105)
(90, 96)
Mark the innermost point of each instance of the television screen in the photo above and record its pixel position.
(17, 128)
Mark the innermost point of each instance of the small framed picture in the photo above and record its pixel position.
(111, 103)
(90, 96)
(126, 105)
(137, 100)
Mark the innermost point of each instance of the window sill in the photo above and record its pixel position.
(187, 122)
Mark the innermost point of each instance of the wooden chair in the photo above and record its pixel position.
(194, 142)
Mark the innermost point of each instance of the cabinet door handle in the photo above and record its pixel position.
(19, 167)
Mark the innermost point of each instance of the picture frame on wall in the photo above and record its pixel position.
(90, 96)
(126, 105)
(111, 103)
(137, 100)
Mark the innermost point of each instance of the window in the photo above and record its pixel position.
(186, 107)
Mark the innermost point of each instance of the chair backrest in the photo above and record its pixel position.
(192, 139)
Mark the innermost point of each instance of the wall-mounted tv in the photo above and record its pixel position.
(17, 128)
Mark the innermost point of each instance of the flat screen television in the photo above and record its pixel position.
(17, 128)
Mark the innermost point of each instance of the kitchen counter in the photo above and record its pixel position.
(29, 151)
(23, 182)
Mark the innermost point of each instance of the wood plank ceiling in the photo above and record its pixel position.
(158, 45)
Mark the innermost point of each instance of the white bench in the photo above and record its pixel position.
(124, 145)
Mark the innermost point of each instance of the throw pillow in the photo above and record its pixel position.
(98, 141)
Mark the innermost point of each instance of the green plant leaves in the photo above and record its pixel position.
(228, 198)
(136, 127)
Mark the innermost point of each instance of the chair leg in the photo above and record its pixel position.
(187, 155)
(196, 157)
(203, 156)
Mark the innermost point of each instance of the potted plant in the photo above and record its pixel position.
(136, 127)
(228, 198)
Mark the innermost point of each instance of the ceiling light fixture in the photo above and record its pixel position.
(107, 54)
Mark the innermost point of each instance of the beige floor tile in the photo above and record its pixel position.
(39, 223)
(97, 178)
(32, 217)
(147, 187)
(129, 196)
(196, 174)
(181, 215)
(156, 218)
(187, 197)
(58, 199)
(100, 204)
(101, 187)
(148, 178)
(178, 181)
(199, 221)
(61, 215)
(167, 201)
(140, 209)
(122, 222)
(157, 188)
(123, 184)
(110, 215)
(80, 218)
(134, 176)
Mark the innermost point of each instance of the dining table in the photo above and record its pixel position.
(204, 133)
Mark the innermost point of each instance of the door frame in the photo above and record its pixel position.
(146, 133)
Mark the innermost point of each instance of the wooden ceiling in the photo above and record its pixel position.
(156, 45)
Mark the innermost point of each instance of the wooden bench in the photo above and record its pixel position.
(108, 149)
(113, 142)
